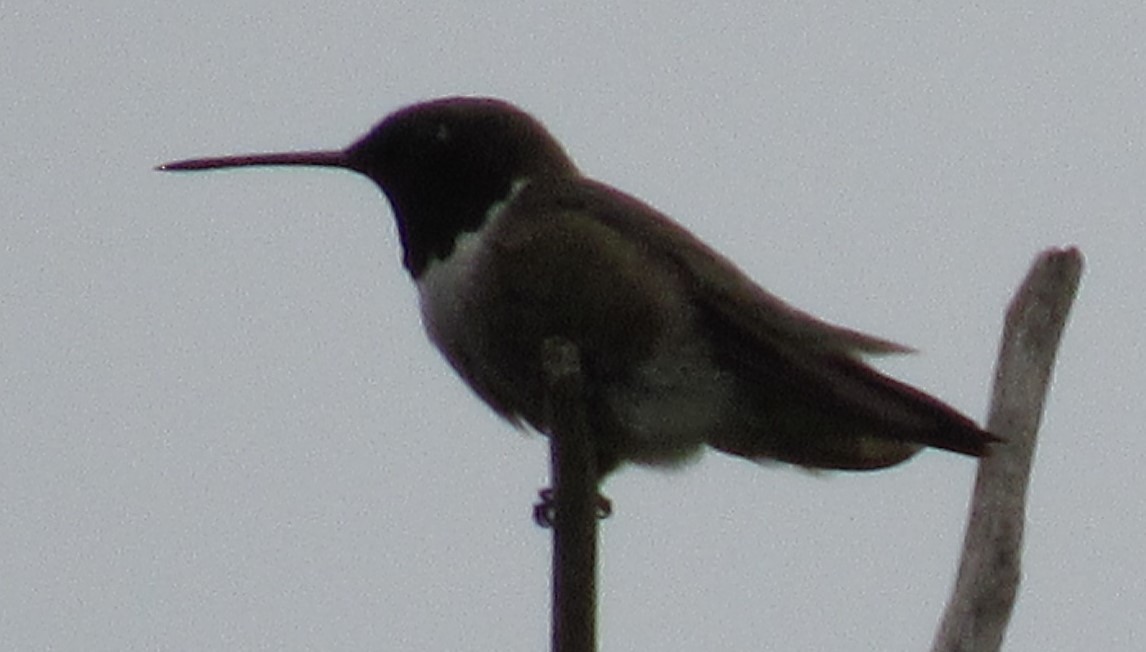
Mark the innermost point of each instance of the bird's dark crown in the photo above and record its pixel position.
(443, 164)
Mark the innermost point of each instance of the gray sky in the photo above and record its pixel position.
(223, 429)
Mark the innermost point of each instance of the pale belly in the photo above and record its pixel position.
(666, 408)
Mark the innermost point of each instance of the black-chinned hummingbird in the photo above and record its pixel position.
(509, 245)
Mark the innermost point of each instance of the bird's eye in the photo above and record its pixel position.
(442, 134)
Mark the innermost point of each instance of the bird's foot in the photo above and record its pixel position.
(545, 510)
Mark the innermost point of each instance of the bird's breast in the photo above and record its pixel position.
(519, 279)
(446, 295)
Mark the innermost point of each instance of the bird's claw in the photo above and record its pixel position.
(545, 509)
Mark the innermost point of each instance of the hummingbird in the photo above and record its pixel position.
(509, 244)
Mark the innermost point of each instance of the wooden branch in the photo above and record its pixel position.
(573, 510)
(989, 573)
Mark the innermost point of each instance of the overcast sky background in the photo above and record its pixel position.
(221, 427)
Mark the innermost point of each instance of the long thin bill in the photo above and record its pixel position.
(324, 158)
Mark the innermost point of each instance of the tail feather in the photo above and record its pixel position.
(831, 410)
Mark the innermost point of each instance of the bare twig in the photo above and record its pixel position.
(574, 505)
(989, 573)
